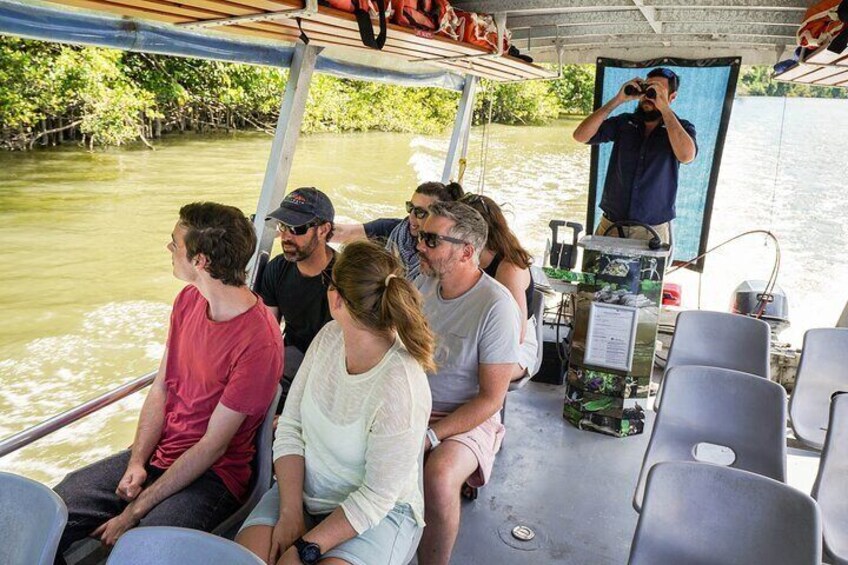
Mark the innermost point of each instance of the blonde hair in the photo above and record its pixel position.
(382, 302)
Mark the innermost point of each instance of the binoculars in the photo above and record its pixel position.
(644, 88)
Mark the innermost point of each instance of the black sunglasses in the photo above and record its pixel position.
(418, 211)
(431, 240)
(297, 230)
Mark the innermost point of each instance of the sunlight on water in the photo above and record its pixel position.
(87, 285)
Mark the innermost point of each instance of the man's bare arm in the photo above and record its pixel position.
(199, 458)
(345, 233)
(494, 384)
(681, 143)
(590, 126)
(151, 420)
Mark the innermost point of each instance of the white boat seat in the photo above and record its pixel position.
(700, 513)
(537, 310)
(32, 518)
(262, 471)
(160, 545)
(711, 413)
(831, 487)
(823, 370)
(719, 339)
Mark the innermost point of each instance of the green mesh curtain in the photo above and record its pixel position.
(705, 98)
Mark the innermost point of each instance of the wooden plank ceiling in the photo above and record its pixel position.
(329, 28)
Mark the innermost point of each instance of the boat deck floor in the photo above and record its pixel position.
(573, 488)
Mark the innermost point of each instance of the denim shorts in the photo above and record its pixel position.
(391, 542)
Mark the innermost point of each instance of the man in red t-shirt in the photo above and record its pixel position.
(189, 465)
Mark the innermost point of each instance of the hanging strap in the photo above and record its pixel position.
(303, 37)
(366, 29)
(463, 163)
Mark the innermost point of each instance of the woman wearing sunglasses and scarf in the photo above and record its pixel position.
(401, 235)
(506, 261)
(350, 439)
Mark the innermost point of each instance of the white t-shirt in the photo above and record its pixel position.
(361, 435)
(482, 326)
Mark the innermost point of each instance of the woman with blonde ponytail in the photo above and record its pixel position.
(350, 437)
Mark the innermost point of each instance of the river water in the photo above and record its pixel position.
(87, 285)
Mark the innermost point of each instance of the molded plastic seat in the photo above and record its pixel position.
(262, 470)
(701, 514)
(727, 409)
(831, 487)
(157, 545)
(823, 370)
(538, 310)
(32, 518)
(719, 339)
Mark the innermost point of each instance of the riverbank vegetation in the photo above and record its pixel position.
(54, 94)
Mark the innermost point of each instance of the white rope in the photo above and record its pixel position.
(484, 142)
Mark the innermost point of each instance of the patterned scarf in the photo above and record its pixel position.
(401, 242)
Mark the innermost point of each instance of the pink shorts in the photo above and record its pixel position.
(484, 441)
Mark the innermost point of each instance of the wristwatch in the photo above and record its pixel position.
(308, 552)
(434, 439)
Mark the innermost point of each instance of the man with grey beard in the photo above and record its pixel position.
(477, 326)
(293, 284)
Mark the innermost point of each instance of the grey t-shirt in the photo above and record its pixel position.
(482, 326)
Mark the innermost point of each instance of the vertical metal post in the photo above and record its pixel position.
(461, 128)
(282, 149)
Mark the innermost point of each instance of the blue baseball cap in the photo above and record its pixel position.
(304, 205)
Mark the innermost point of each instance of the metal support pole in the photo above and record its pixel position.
(282, 149)
(461, 128)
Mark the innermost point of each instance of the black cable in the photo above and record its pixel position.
(772, 281)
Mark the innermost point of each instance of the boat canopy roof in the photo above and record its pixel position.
(573, 31)
(759, 31)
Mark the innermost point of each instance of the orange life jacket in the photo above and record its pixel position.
(480, 30)
(822, 23)
(428, 15)
(364, 10)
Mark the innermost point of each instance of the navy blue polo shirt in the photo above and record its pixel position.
(641, 183)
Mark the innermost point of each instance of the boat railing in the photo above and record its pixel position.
(30, 435)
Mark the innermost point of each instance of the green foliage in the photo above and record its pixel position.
(758, 81)
(530, 102)
(575, 91)
(52, 93)
(348, 105)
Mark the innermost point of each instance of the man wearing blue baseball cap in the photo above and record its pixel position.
(293, 284)
(648, 147)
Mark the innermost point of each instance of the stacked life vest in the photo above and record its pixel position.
(428, 18)
(825, 23)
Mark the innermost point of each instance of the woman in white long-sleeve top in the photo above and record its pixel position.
(346, 455)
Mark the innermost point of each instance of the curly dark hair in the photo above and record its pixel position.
(224, 235)
(450, 192)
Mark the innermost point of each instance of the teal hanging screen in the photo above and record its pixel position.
(705, 98)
